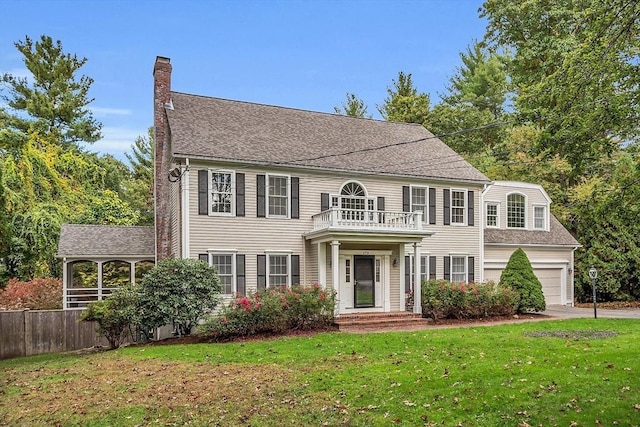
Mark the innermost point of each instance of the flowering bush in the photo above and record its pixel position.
(44, 293)
(442, 299)
(273, 311)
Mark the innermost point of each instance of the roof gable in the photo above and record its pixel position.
(235, 131)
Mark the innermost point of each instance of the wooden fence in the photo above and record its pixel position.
(26, 332)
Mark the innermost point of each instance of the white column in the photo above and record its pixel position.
(335, 270)
(99, 280)
(322, 265)
(417, 288)
(403, 303)
(65, 277)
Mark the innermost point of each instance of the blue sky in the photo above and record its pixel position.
(299, 54)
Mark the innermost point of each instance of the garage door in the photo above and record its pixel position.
(551, 279)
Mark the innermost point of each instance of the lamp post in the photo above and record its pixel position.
(593, 274)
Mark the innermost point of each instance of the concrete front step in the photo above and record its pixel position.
(380, 321)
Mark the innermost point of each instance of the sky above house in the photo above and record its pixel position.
(302, 54)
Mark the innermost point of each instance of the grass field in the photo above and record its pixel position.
(579, 372)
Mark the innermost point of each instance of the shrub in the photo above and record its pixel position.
(116, 315)
(43, 293)
(442, 299)
(273, 311)
(518, 275)
(179, 291)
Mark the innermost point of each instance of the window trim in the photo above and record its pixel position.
(545, 217)
(423, 275)
(497, 205)
(465, 257)
(425, 212)
(269, 254)
(210, 173)
(524, 210)
(268, 196)
(234, 266)
(464, 207)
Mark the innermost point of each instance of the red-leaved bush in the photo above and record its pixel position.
(43, 293)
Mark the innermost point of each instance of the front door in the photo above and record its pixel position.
(364, 284)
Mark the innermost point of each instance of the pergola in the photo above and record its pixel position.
(99, 258)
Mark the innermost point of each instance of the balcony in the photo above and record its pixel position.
(338, 222)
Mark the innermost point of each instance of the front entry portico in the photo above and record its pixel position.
(363, 261)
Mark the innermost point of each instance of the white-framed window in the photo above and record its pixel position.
(420, 201)
(278, 270)
(225, 264)
(492, 215)
(424, 268)
(458, 206)
(353, 202)
(279, 190)
(540, 217)
(458, 269)
(516, 210)
(221, 189)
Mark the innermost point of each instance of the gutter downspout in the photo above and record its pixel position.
(184, 211)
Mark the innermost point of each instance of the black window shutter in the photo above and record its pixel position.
(324, 202)
(470, 208)
(432, 267)
(241, 279)
(261, 208)
(432, 205)
(295, 197)
(406, 199)
(407, 274)
(470, 275)
(447, 268)
(446, 207)
(239, 194)
(295, 269)
(262, 271)
(380, 203)
(203, 192)
(204, 257)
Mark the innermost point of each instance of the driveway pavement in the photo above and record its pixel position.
(563, 311)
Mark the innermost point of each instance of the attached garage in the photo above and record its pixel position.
(550, 254)
(553, 282)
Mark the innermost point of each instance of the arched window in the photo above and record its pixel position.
(353, 201)
(516, 210)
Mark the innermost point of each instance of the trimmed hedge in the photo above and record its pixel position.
(273, 311)
(442, 299)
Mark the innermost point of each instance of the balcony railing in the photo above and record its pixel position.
(337, 218)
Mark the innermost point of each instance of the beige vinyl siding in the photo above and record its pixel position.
(251, 235)
(533, 197)
(541, 253)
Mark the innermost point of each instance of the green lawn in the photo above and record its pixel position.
(509, 375)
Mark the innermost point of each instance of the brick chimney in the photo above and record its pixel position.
(162, 161)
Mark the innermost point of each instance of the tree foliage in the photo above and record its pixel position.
(53, 98)
(139, 188)
(404, 103)
(519, 276)
(352, 106)
(37, 294)
(577, 72)
(179, 291)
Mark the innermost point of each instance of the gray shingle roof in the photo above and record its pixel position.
(105, 240)
(556, 236)
(220, 129)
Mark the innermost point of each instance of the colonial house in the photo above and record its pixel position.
(275, 196)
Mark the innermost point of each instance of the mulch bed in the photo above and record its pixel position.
(615, 305)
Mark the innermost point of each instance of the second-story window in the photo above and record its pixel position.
(420, 202)
(221, 192)
(492, 215)
(278, 195)
(515, 211)
(540, 217)
(458, 206)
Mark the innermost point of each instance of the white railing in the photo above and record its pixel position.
(381, 220)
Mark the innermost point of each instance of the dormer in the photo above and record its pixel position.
(512, 205)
